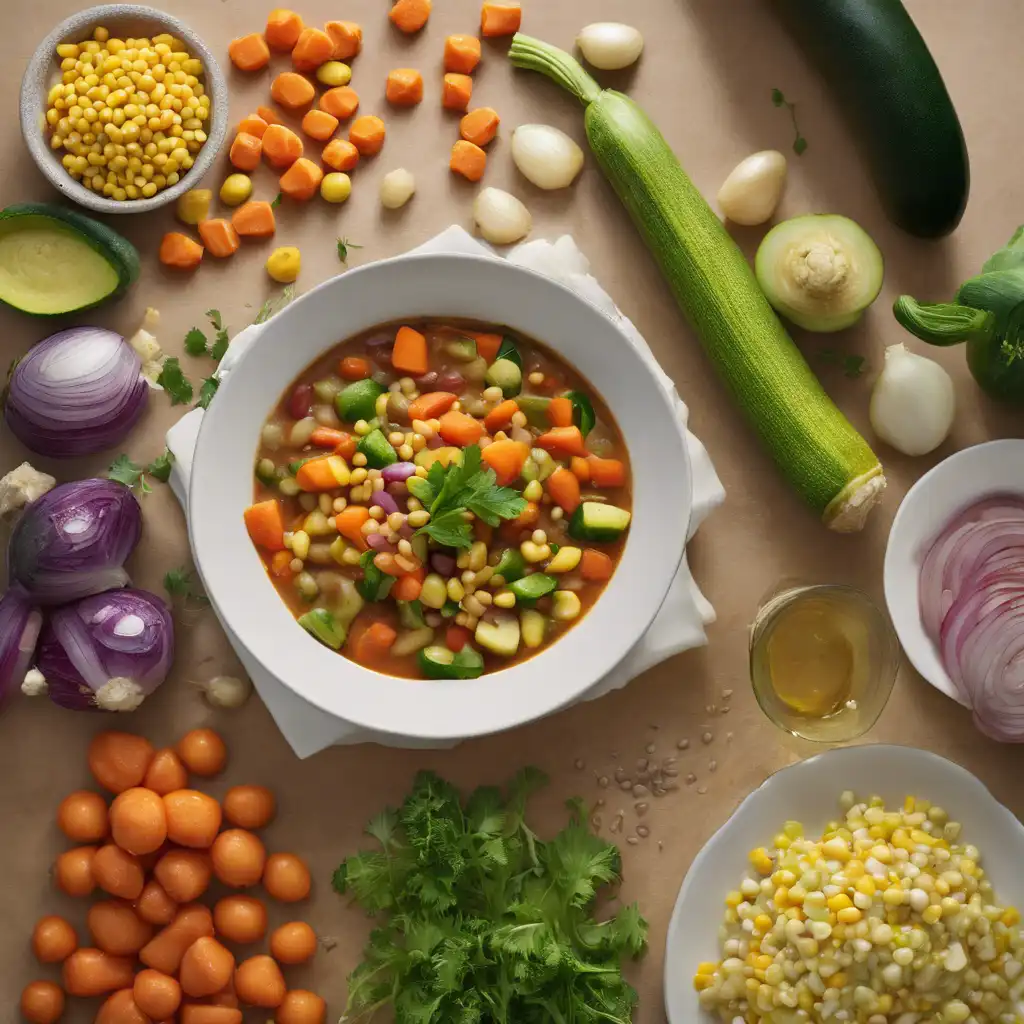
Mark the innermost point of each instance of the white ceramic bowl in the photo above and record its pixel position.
(480, 288)
(43, 71)
(996, 467)
(809, 793)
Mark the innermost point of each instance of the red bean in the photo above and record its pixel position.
(451, 381)
(300, 403)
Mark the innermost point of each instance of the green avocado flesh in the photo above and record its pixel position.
(47, 268)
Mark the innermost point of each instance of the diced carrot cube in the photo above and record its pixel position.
(219, 237)
(319, 125)
(245, 151)
(253, 125)
(281, 146)
(457, 92)
(367, 135)
(301, 180)
(179, 251)
(347, 37)
(342, 102)
(410, 15)
(283, 28)
(404, 87)
(249, 53)
(340, 155)
(461, 54)
(254, 219)
(480, 126)
(313, 48)
(292, 90)
(468, 160)
(500, 19)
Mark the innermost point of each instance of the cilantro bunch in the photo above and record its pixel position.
(483, 920)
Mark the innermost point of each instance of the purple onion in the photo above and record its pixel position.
(398, 471)
(442, 563)
(385, 501)
(74, 541)
(20, 624)
(107, 652)
(77, 392)
(379, 542)
(428, 380)
(451, 381)
(379, 341)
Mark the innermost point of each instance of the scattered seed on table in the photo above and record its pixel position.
(643, 831)
(726, 694)
(691, 779)
(671, 787)
(616, 825)
(661, 846)
(641, 763)
(670, 760)
(632, 840)
(711, 709)
(671, 771)
(641, 809)
(641, 790)
(650, 748)
(725, 711)
(603, 781)
(620, 775)
(600, 803)
(701, 790)
(728, 737)
(595, 822)
(683, 744)
(712, 766)
(626, 785)
(707, 738)
(658, 790)
(328, 942)
(580, 764)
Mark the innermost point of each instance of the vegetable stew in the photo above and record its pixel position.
(438, 500)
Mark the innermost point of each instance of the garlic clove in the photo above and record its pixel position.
(501, 218)
(751, 192)
(397, 188)
(546, 156)
(610, 45)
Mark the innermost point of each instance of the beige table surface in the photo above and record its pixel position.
(706, 79)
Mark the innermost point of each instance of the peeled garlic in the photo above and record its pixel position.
(754, 187)
(545, 155)
(609, 45)
(397, 188)
(226, 691)
(501, 218)
(912, 402)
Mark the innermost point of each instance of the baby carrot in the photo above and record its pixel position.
(283, 28)
(500, 19)
(367, 135)
(292, 90)
(468, 160)
(219, 237)
(410, 16)
(301, 180)
(313, 48)
(245, 151)
(180, 251)
(249, 53)
(319, 125)
(404, 87)
(457, 91)
(347, 37)
(479, 126)
(342, 102)
(265, 525)
(461, 54)
(340, 155)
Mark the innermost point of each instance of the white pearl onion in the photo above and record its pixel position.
(754, 187)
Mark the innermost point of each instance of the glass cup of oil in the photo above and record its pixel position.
(823, 660)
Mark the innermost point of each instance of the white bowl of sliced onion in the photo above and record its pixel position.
(954, 582)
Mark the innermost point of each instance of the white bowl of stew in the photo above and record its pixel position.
(440, 496)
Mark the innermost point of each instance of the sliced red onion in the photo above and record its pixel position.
(20, 623)
(74, 541)
(972, 605)
(77, 392)
(108, 652)
(398, 471)
(451, 381)
(385, 501)
(442, 563)
(378, 542)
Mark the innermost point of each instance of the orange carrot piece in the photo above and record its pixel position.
(219, 237)
(404, 87)
(313, 48)
(456, 637)
(292, 90)
(281, 146)
(500, 19)
(564, 489)
(265, 525)
(283, 28)
(410, 352)
(246, 151)
(410, 16)
(254, 219)
(347, 37)
(350, 521)
(409, 586)
(342, 101)
(253, 125)
(301, 180)
(501, 415)
(526, 520)
(249, 53)
(580, 469)
(460, 429)
(468, 160)
(281, 564)
(483, 532)
(507, 459)
(595, 565)
(180, 251)
(560, 412)
(268, 114)
(340, 155)
(316, 475)
(461, 54)
(480, 126)
(563, 441)
(328, 437)
(457, 92)
(431, 405)
(606, 472)
(319, 125)
(487, 345)
(367, 135)
(373, 643)
(355, 368)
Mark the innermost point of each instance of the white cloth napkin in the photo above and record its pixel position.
(679, 624)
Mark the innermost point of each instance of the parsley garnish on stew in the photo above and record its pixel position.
(448, 494)
(481, 919)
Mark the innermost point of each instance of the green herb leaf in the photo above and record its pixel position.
(174, 382)
(181, 584)
(124, 471)
(854, 366)
(777, 98)
(799, 142)
(221, 341)
(195, 342)
(213, 315)
(274, 305)
(799, 145)
(449, 529)
(160, 467)
(276, 202)
(207, 391)
(343, 247)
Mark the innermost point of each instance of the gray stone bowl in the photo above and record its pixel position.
(43, 71)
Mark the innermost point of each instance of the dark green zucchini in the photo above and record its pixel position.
(874, 59)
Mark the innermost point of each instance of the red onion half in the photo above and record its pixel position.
(108, 652)
(77, 392)
(74, 540)
(20, 623)
(972, 606)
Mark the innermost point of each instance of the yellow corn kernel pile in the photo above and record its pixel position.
(128, 113)
(886, 919)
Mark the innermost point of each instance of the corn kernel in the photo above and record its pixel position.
(851, 915)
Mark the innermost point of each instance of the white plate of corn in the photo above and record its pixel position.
(868, 885)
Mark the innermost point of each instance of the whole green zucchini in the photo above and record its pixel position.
(873, 57)
(814, 445)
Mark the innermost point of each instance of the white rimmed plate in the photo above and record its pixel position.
(809, 792)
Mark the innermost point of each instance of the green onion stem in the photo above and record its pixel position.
(533, 55)
(942, 323)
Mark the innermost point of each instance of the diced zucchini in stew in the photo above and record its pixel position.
(463, 525)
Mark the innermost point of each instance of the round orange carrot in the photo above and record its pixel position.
(342, 102)
(249, 53)
(367, 135)
(283, 28)
(457, 92)
(410, 15)
(461, 54)
(281, 146)
(340, 155)
(347, 37)
(313, 48)
(479, 126)
(180, 251)
(319, 125)
(468, 160)
(292, 90)
(404, 87)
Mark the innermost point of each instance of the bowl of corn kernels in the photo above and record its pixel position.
(123, 108)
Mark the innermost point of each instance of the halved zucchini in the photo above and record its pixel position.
(598, 521)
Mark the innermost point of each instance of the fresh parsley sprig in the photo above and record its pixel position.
(799, 142)
(182, 585)
(343, 247)
(133, 476)
(173, 380)
(448, 494)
